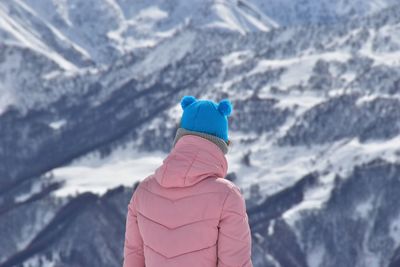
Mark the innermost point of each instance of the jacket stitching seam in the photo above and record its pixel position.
(233, 238)
(226, 265)
(174, 200)
(190, 167)
(178, 226)
(223, 204)
(193, 251)
(237, 213)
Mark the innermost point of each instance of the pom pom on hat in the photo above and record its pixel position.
(225, 107)
(187, 100)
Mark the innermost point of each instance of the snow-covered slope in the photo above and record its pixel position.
(81, 37)
(102, 31)
(315, 128)
(295, 12)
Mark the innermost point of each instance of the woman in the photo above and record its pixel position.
(186, 214)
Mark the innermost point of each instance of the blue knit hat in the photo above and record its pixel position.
(205, 116)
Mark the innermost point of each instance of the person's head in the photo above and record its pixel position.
(206, 119)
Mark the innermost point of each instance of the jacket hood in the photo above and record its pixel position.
(192, 160)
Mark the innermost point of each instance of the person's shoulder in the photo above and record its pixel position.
(146, 182)
(148, 179)
(225, 185)
(233, 197)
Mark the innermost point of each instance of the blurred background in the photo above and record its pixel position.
(89, 106)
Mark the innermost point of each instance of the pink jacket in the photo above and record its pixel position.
(186, 214)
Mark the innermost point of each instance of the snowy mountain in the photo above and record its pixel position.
(84, 32)
(89, 94)
(80, 37)
(306, 12)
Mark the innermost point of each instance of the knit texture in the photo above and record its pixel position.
(205, 116)
(216, 140)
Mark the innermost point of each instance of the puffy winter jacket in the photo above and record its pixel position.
(186, 214)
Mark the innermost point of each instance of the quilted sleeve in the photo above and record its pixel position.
(234, 238)
(133, 246)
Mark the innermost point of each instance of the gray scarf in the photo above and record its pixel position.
(216, 140)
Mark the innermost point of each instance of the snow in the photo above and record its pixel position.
(373, 96)
(314, 199)
(6, 98)
(282, 167)
(167, 53)
(143, 22)
(272, 167)
(298, 69)
(255, 22)
(259, 237)
(315, 257)
(153, 13)
(266, 64)
(364, 208)
(54, 30)
(267, 22)
(238, 16)
(94, 174)
(236, 58)
(36, 188)
(381, 58)
(303, 101)
(276, 167)
(56, 125)
(30, 40)
(62, 10)
(271, 228)
(229, 20)
(394, 230)
(355, 153)
(52, 74)
(43, 261)
(372, 259)
(82, 25)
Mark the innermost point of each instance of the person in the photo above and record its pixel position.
(186, 214)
